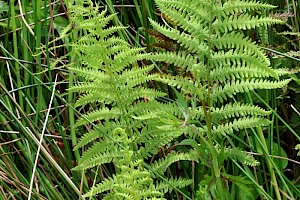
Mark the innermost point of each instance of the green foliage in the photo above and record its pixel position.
(130, 122)
(220, 62)
(132, 125)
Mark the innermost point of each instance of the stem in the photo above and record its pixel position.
(207, 113)
(15, 47)
(269, 164)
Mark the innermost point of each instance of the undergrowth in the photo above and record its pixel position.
(165, 99)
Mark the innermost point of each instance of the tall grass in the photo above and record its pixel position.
(27, 81)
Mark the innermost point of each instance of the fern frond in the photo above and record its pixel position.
(105, 185)
(106, 157)
(195, 10)
(238, 41)
(231, 110)
(143, 108)
(139, 93)
(178, 183)
(88, 73)
(242, 22)
(104, 113)
(89, 136)
(241, 156)
(108, 31)
(240, 58)
(231, 7)
(186, 21)
(239, 124)
(100, 148)
(101, 21)
(180, 59)
(85, 99)
(185, 40)
(161, 165)
(222, 93)
(184, 83)
(153, 139)
(224, 73)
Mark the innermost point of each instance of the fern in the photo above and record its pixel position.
(130, 121)
(221, 62)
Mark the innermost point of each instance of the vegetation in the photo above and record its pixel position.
(164, 99)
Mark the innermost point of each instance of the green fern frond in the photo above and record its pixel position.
(85, 99)
(242, 22)
(178, 183)
(140, 108)
(222, 93)
(224, 73)
(239, 41)
(186, 21)
(98, 149)
(239, 124)
(90, 136)
(88, 73)
(105, 185)
(184, 83)
(241, 156)
(106, 157)
(139, 93)
(153, 139)
(231, 7)
(104, 113)
(239, 58)
(193, 9)
(185, 40)
(108, 31)
(180, 59)
(161, 165)
(101, 21)
(231, 110)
